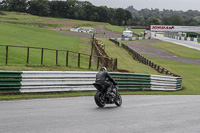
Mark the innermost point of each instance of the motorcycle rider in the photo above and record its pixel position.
(101, 77)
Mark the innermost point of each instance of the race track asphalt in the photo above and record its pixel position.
(138, 114)
(189, 44)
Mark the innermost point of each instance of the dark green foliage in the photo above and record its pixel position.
(38, 7)
(146, 17)
(14, 5)
(175, 20)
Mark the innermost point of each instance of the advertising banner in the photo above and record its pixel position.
(175, 28)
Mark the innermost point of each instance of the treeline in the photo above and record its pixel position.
(146, 17)
(72, 9)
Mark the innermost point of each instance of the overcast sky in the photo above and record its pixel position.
(140, 4)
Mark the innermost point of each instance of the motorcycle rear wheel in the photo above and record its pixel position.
(99, 99)
(118, 100)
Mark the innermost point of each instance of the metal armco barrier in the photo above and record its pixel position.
(55, 81)
(130, 38)
(177, 37)
(132, 81)
(10, 82)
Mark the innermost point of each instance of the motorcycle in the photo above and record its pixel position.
(102, 97)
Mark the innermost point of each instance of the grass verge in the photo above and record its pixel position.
(45, 95)
(125, 60)
(42, 68)
(178, 50)
(189, 72)
(49, 22)
(119, 29)
(21, 35)
(138, 31)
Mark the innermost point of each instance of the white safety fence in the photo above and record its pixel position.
(48, 81)
(181, 38)
(130, 38)
(165, 83)
(55, 81)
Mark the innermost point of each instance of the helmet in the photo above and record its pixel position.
(103, 69)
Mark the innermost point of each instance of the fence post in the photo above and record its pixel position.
(98, 63)
(6, 55)
(115, 64)
(67, 55)
(111, 64)
(42, 56)
(106, 62)
(27, 61)
(56, 57)
(158, 68)
(162, 70)
(102, 61)
(90, 61)
(79, 60)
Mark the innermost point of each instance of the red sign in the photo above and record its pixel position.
(175, 28)
(162, 27)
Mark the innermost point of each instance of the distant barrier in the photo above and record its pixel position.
(130, 38)
(58, 81)
(175, 36)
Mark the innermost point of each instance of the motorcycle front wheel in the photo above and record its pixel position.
(100, 99)
(118, 100)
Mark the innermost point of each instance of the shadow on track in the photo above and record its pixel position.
(109, 107)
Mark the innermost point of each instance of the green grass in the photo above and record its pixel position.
(25, 18)
(41, 68)
(125, 60)
(189, 72)
(138, 31)
(45, 95)
(22, 35)
(14, 34)
(178, 50)
(119, 29)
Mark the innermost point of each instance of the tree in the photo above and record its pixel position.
(14, 5)
(193, 24)
(175, 20)
(127, 17)
(153, 21)
(131, 9)
(39, 7)
(119, 16)
(103, 12)
(58, 9)
(165, 20)
(90, 11)
(191, 21)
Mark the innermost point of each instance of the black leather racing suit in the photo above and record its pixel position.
(101, 77)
